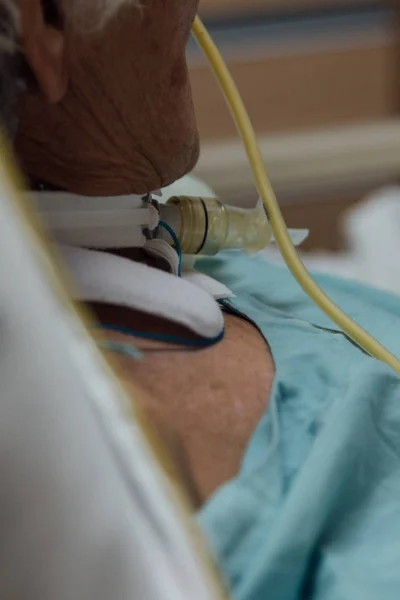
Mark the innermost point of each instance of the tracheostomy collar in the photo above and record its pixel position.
(85, 228)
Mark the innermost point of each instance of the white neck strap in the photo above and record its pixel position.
(109, 222)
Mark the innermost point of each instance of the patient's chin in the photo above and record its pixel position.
(180, 159)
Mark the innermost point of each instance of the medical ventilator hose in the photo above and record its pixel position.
(356, 333)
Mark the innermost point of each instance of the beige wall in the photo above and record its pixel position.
(335, 87)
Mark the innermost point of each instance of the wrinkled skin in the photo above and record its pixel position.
(126, 122)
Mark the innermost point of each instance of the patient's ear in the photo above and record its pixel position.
(43, 44)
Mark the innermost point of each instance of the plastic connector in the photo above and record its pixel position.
(207, 226)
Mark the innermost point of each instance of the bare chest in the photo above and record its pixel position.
(213, 398)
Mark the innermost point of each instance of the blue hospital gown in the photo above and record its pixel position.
(315, 510)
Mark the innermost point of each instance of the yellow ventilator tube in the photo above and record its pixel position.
(267, 195)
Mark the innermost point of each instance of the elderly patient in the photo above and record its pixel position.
(292, 434)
